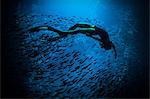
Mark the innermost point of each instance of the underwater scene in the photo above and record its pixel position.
(74, 66)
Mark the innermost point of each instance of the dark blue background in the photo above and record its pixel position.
(137, 77)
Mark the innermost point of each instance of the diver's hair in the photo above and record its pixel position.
(113, 46)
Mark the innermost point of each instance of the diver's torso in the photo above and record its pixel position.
(102, 33)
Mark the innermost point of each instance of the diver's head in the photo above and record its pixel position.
(106, 45)
(109, 45)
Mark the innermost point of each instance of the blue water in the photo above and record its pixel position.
(75, 66)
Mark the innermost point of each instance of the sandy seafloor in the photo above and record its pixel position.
(74, 66)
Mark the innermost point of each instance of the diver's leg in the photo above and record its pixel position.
(81, 26)
(83, 31)
(55, 30)
(38, 28)
(34, 29)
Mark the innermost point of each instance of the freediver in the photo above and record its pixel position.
(88, 30)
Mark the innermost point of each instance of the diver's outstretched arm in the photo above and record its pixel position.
(81, 25)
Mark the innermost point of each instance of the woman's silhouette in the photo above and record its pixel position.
(88, 30)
